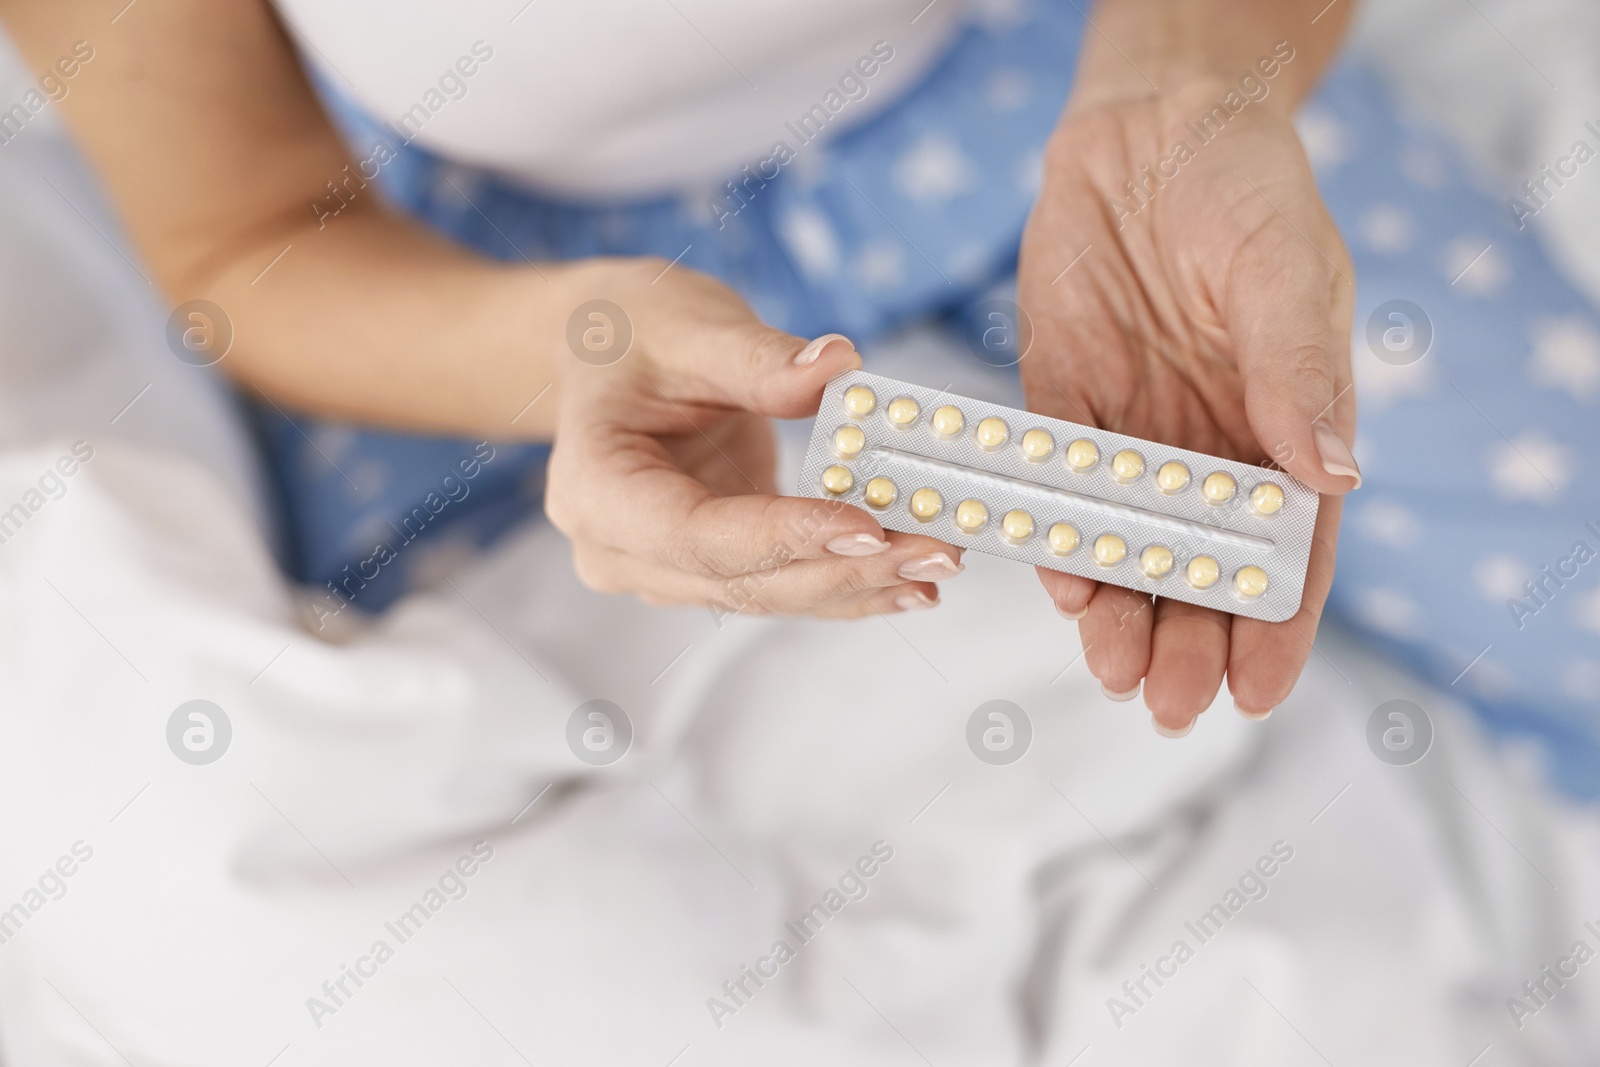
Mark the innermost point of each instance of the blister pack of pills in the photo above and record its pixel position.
(1110, 507)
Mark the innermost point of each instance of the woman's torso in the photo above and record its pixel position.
(618, 98)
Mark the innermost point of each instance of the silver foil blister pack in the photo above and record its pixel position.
(1114, 508)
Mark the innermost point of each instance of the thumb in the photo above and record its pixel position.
(775, 373)
(1295, 364)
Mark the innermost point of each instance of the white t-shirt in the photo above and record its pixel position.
(599, 98)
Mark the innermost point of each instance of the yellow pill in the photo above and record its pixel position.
(1156, 561)
(1202, 572)
(991, 434)
(859, 400)
(1063, 538)
(1250, 581)
(1173, 477)
(903, 411)
(926, 503)
(1017, 526)
(1266, 499)
(1127, 465)
(1038, 444)
(1082, 454)
(879, 492)
(971, 515)
(848, 441)
(838, 480)
(1109, 550)
(948, 421)
(1218, 488)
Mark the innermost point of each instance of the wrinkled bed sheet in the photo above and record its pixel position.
(1010, 909)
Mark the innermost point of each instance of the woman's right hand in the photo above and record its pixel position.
(663, 474)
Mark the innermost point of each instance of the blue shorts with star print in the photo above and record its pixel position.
(1472, 553)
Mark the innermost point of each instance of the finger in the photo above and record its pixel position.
(756, 368)
(1116, 639)
(610, 571)
(726, 536)
(1188, 656)
(1292, 344)
(1068, 592)
(629, 496)
(734, 535)
(798, 588)
(896, 599)
(806, 585)
(889, 600)
(774, 599)
(618, 486)
(1265, 658)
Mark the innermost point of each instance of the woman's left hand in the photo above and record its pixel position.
(1213, 314)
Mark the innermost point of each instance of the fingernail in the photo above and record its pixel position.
(813, 351)
(1129, 695)
(857, 544)
(929, 568)
(1254, 716)
(1073, 616)
(914, 601)
(1167, 731)
(1336, 456)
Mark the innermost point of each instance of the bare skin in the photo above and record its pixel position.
(1216, 316)
(202, 125)
(1217, 319)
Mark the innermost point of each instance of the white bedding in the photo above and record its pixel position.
(770, 756)
(1516, 82)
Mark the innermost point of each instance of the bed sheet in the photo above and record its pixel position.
(216, 912)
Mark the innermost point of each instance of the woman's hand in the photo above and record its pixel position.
(1212, 313)
(663, 470)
